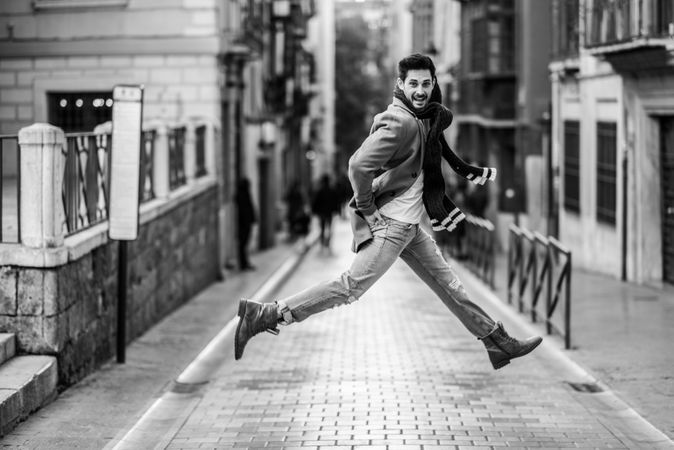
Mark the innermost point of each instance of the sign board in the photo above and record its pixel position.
(127, 116)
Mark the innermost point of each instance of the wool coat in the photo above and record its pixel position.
(386, 164)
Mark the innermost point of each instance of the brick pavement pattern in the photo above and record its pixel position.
(395, 370)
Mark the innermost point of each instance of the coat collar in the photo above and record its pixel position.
(400, 104)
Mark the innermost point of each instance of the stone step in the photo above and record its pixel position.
(7, 346)
(26, 384)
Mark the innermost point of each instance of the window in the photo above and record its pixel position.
(493, 44)
(572, 165)
(606, 172)
(79, 111)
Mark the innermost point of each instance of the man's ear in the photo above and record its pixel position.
(400, 83)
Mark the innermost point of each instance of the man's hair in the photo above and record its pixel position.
(416, 61)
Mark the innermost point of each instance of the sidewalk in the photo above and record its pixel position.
(622, 333)
(92, 412)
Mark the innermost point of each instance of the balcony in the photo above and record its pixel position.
(633, 35)
(566, 35)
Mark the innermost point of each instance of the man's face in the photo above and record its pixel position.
(417, 87)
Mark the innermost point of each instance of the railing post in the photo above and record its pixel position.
(160, 166)
(41, 184)
(567, 310)
(548, 299)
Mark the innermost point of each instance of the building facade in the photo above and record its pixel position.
(500, 94)
(613, 110)
(239, 64)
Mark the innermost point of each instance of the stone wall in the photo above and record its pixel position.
(70, 310)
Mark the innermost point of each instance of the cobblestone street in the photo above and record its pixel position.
(394, 370)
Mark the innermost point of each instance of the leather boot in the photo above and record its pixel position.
(501, 347)
(254, 318)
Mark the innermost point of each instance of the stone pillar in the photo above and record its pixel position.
(42, 164)
(210, 148)
(160, 165)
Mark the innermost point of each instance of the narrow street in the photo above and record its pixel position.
(394, 370)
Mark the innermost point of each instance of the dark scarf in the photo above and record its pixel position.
(444, 214)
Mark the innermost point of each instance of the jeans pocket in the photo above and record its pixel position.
(379, 225)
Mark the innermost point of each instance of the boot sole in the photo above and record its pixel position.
(504, 362)
(238, 353)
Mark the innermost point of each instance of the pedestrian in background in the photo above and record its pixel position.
(397, 179)
(246, 217)
(325, 205)
(298, 214)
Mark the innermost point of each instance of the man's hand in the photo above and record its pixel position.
(373, 218)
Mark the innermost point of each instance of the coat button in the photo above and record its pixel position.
(414, 174)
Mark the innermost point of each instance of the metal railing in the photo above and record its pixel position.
(148, 140)
(176, 144)
(200, 150)
(535, 261)
(9, 190)
(475, 247)
(86, 179)
(480, 248)
(615, 21)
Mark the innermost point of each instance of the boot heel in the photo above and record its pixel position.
(497, 363)
(242, 307)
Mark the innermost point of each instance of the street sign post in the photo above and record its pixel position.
(127, 117)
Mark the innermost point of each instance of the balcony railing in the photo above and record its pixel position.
(566, 24)
(616, 21)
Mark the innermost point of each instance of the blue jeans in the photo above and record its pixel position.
(393, 239)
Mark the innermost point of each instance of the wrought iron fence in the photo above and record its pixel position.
(148, 139)
(536, 261)
(176, 142)
(480, 248)
(473, 242)
(86, 179)
(614, 21)
(200, 150)
(9, 189)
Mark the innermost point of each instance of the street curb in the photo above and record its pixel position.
(164, 418)
(616, 415)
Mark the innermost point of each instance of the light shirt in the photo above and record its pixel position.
(409, 206)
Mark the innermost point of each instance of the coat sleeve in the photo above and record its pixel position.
(389, 133)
